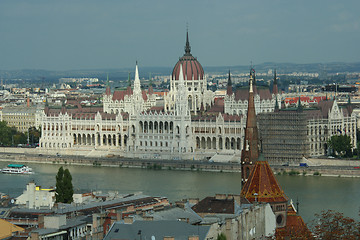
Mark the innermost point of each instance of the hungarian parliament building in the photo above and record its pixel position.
(189, 123)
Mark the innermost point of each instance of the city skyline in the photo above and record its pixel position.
(89, 35)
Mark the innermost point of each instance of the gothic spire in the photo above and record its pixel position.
(137, 87)
(250, 152)
(252, 76)
(275, 87)
(108, 90)
(129, 80)
(276, 104)
(229, 86)
(299, 107)
(187, 45)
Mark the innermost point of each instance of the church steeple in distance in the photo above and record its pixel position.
(108, 90)
(250, 152)
(275, 86)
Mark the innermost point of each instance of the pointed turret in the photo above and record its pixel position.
(202, 108)
(349, 105)
(275, 86)
(108, 90)
(46, 109)
(252, 75)
(276, 105)
(137, 93)
(250, 152)
(299, 106)
(63, 107)
(137, 86)
(229, 90)
(150, 90)
(129, 80)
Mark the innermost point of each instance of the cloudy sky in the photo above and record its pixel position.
(88, 34)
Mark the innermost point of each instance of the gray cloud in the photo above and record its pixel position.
(112, 34)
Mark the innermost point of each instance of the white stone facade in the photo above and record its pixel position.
(338, 121)
(262, 105)
(196, 94)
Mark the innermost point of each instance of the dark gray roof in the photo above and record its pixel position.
(176, 214)
(156, 230)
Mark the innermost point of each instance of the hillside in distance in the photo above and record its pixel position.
(36, 75)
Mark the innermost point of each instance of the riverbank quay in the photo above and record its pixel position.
(114, 161)
(316, 166)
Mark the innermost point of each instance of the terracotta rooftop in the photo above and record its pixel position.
(262, 181)
(295, 227)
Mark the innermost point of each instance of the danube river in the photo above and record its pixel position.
(314, 193)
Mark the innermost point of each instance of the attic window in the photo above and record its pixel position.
(116, 230)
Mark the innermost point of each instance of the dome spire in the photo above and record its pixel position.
(187, 45)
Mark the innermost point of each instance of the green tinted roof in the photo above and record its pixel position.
(16, 165)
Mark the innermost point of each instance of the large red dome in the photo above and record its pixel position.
(191, 66)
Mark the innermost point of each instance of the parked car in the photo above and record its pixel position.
(303, 165)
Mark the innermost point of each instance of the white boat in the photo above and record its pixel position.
(17, 169)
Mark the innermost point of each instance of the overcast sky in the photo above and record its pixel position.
(88, 34)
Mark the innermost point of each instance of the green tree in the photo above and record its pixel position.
(59, 192)
(221, 236)
(6, 134)
(341, 144)
(68, 187)
(64, 188)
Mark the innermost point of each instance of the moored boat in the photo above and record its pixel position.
(17, 169)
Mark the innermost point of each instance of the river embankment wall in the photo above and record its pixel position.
(317, 167)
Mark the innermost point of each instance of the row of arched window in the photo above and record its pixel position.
(214, 143)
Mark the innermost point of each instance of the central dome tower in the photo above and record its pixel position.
(195, 83)
(192, 69)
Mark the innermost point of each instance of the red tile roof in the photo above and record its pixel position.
(295, 227)
(263, 182)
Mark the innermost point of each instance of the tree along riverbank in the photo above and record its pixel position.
(323, 170)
